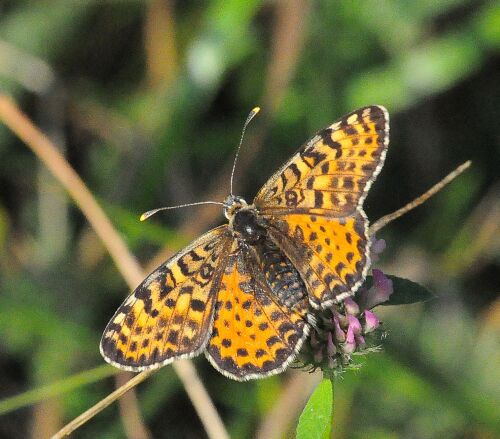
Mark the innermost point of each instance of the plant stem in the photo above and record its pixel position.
(382, 222)
(91, 412)
(57, 388)
(329, 432)
(20, 124)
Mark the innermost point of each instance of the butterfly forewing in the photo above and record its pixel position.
(332, 173)
(169, 315)
(255, 332)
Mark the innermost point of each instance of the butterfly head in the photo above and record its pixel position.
(232, 204)
(244, 221)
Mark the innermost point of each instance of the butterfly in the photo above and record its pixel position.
(244, 292)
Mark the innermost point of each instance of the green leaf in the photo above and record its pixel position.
(406, 292)
(315, 420)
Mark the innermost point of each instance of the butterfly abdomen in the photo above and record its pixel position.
(281, 275)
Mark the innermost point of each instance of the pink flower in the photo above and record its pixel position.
(354, 325)
(378, 293)
(371, 321)
(339, 334)
(351, 306)
(360, 340)
(350, 342)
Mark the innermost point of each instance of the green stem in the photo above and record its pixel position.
(329, 431)
(57, 388)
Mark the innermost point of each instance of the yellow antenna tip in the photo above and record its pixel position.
(255, 110)
(144, 217)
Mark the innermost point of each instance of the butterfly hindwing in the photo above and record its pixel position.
(331, 254)
(259, 326)
(169, 315)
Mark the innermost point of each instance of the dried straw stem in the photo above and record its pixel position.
(102, 404)
(382, 222)
(124, 260)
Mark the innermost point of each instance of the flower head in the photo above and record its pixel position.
(347, 328)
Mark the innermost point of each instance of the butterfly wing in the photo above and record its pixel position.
(331, 254)
(170, 314)
(259, 323)
(313, 203)
(332, 173)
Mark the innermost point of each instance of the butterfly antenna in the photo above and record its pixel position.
(150, 213)
(252, 114)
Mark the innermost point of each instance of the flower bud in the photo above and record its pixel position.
(318, 356)
(371, 322)
(378, 246)
(350, 342)
(330, 346)
(341, 319)
(351, 306)
(354, 325)
(380, 291)
(339, 334)
(360, 340)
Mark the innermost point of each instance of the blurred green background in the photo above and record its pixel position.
(147, 100)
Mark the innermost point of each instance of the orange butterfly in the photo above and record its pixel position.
(244, 292)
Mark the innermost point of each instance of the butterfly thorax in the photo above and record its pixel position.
(244, 220)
